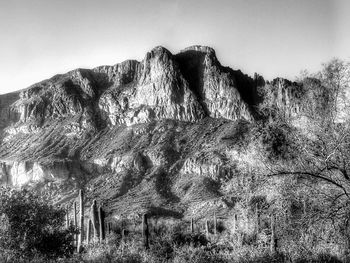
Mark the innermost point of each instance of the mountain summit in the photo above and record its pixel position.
(158, 134)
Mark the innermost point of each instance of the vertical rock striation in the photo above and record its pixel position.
(52, 131)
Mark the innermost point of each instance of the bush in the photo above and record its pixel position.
(162, 249)
(30, 226)
(277, 142)
(264, 258)
(195, 239)
(197, 255)
(321, 258)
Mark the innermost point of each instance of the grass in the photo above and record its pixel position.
(175, 247)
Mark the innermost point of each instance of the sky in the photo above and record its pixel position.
(275, 38)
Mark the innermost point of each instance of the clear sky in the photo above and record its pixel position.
(40, 38)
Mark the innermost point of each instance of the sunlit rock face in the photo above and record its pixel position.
(150, 90)
(19, 173)
(47, 126)
(118, 164)
(217, 87)
(70, 96)
(8, 115)
(137, 135)
(208, 164)
(185, 87)
(287, 96)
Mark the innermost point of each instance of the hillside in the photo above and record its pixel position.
(168, 135)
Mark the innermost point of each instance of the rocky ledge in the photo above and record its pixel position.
(137, 135)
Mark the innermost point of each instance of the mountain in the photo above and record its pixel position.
(163, 135)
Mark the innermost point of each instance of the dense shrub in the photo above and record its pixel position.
(195, 239)
(264, 258)
(197, 255)
(321, 258)
(277, 141)
(162, 248)
(30, 226)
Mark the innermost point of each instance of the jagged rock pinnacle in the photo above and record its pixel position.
(139, 134)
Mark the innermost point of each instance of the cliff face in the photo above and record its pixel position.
(151, 90)
(287, 96)
(139, 136)
(186, 87)
(216, 88)
(8, 115)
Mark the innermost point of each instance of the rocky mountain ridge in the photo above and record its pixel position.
(155, 134)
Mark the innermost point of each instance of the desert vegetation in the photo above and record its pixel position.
(292, 205)
(35, 232)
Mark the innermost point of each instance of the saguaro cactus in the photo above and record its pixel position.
(207, 228)
(88, 232)
(192, 226)
(235, 220)
(145, 231)
(110, 227)
(257, 219)
(75, 213)
(94, 219)
(107, 228)
(75, 220)
(67, 216)
(273, 243)
(81, 220)
(101, 223)
(240, 239)
(215, 224)
(123, 235)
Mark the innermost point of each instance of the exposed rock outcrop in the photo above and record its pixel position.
(19, 173)
(287, 96)
(8, 115)
(185, 87)
(137, 135)
(216, 87)
(154, 90)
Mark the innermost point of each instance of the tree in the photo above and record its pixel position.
(321, 149)
(335, 76)
(30, 226)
